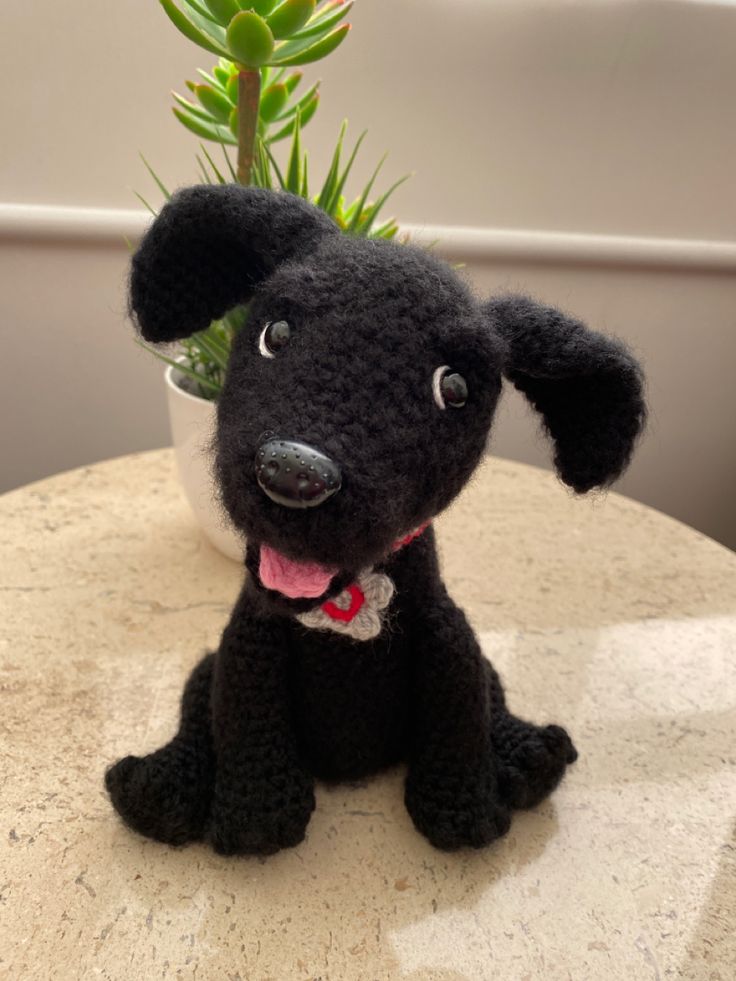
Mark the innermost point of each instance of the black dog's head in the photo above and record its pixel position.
(360, 393)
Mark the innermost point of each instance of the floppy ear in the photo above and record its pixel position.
(588, 388)
(209, 248)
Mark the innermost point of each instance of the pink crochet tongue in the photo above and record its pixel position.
(293, 579)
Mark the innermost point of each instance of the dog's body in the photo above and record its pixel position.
(357, 403)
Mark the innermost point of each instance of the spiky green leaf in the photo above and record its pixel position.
(304, 190)
(359, 205)
(294, 167)
(228, 161)
(338, 189)
(220, 177)
(202, 169)
(159, 183)
(145, 204)
(333, 173)
(213, 388)
(211, 348)
(305, 115)
(272, 161)
(387, 230)
(263, 165)
(370, 215)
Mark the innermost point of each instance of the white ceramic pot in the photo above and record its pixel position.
(192, 427)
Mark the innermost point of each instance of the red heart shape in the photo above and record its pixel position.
(357, 599)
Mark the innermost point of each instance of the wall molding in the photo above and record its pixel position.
(110, 226)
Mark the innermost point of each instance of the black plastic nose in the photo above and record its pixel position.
(296, 475)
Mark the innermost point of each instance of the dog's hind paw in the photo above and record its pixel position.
(531, 760)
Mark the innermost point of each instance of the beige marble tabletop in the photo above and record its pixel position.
(601, 615)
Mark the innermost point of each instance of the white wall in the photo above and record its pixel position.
(593, 118)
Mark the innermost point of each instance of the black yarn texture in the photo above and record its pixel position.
(279, 705)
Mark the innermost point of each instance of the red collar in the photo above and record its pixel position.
(359, 609)
(399, 543)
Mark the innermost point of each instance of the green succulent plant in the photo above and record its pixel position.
(251, 38)
(214, 116)
(206, 354)
(249, 101)
(255, 33)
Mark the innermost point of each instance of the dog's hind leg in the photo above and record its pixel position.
(167, 794)
(531, 759)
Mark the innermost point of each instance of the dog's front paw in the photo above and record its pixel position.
(165, 796)
(260, 823)
(470, 819)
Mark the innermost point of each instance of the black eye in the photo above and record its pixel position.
(449, 388)
(274, 337)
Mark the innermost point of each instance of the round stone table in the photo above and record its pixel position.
(600, 614)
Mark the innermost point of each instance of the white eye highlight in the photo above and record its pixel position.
(449, 388)
(436, 385)
(262, 349)
(274, 337)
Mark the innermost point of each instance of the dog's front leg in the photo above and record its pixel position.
(263, 795)
(451, 787)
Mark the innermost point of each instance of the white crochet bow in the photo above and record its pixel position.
(357, 611)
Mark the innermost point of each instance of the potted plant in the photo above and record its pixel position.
(251, 101)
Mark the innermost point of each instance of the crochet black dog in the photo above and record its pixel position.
(357, 404)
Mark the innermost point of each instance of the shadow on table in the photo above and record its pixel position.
(713, 937)
(334, 905)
